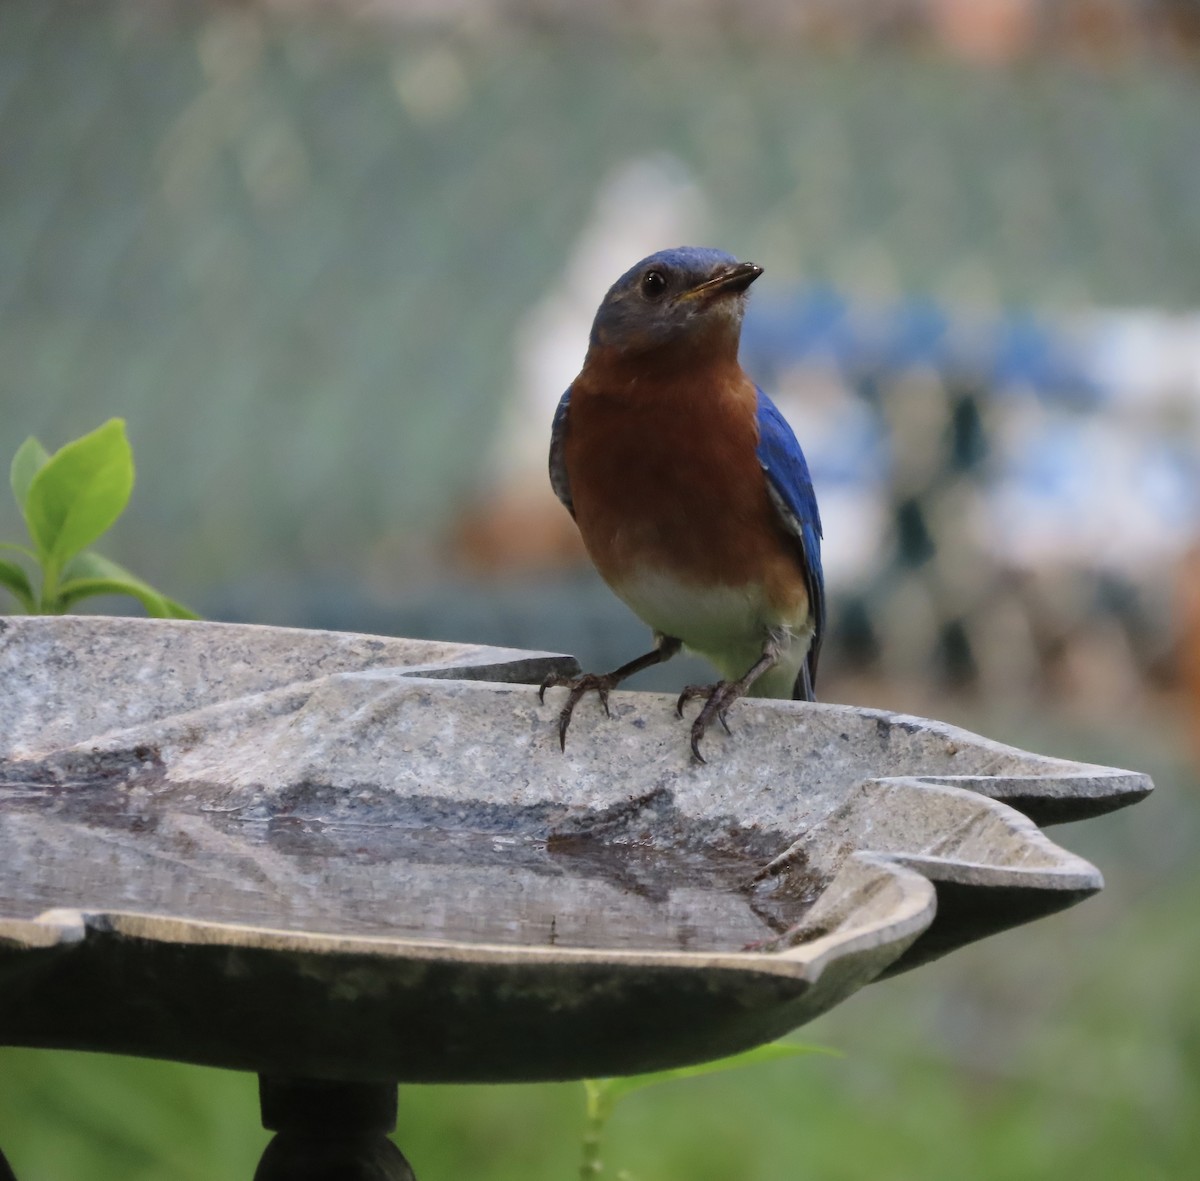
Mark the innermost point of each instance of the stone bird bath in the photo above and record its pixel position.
(346, 861)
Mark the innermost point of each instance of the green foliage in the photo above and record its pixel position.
(69, 500)
(603, 1094)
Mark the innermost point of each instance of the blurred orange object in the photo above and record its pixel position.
(519, 529)
(985, 31)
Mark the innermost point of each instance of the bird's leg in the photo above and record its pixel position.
(603, 683)
(723, 694)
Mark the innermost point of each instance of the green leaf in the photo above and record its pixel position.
(17, 581)
(604, 1093)
(176, 610)
(70, 593)
(30, 458)
(80, 492)
(90, 574)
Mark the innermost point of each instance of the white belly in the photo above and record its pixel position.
(726, 625)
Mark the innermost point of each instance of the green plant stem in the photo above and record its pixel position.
(598, 1111)
(48, 601)
(591, 1165)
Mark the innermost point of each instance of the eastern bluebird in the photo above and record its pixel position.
(689, 488)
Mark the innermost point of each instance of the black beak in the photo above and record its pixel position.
(734, 279)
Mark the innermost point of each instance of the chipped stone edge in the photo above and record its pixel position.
(883, 938)
(912, 877)
(916, 874)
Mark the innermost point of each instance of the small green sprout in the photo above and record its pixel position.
(69, 500)
(603, 1094)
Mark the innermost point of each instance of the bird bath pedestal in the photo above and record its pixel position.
(346, 861)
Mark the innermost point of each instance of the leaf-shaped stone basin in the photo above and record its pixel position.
(328, 855)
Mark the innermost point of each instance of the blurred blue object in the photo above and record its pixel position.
(819, 325)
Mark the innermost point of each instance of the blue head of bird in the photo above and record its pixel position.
(690, 298)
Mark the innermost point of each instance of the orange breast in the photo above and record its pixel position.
(666, 478)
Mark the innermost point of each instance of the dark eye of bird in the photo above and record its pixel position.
(654, 283)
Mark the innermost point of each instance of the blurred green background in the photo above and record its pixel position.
(333, 262)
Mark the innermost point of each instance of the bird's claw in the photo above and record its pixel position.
(718, 699)
(602, 683)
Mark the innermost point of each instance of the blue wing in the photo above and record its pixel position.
(558, 465)
(791, 490)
